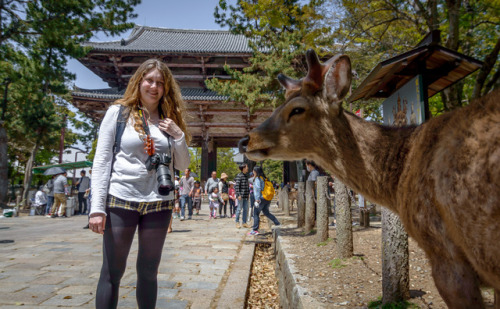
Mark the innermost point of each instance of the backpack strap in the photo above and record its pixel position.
(121, 123)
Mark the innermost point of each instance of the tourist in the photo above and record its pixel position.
(313, 171)
(134, 200)
(224, 193)
(196, 193)
(232, 200)
(83, 184)
(211, 183)
(186, 186)
(50, 195)
(261, 204)
(214, 202)
(40, 201)
(242, 189)
(60, 191)
(251, 178)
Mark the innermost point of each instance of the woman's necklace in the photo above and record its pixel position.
(149, 145)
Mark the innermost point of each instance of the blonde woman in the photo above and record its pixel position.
(126, 194)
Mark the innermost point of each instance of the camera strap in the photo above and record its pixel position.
(149, 144)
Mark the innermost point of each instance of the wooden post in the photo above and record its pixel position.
(310, 207)
(301, 205)
(345, 248)
(395, 265)
(322, 208)
(286, 202)
(280, 199)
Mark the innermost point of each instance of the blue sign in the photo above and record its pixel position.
(406, 105)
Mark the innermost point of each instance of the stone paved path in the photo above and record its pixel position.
(55, 263)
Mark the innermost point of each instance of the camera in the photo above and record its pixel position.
(160, 162)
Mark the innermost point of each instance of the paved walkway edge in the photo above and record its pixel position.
(292, 295)
(235, 291)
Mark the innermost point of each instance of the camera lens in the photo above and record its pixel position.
(165, 184)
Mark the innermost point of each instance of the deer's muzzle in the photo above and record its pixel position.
(243, 143)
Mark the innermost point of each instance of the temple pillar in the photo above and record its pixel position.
(208, 161)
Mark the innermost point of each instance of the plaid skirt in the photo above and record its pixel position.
(143, 208)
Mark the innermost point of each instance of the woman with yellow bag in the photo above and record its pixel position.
(263, 191)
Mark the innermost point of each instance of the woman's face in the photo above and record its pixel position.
(152, 88)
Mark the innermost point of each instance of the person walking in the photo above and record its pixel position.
(211, 183)
(60, 190)
(126, 194)
(50, 195)
(261, 204)
(224, 193)
(83, 185)
(89, 196)
(186, 186)
(242, 189)
(196, 195)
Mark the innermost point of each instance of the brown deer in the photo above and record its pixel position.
(442, 177)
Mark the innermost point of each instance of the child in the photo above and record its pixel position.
(215, 200)
(177, 210)
(196, 194)
(232, 200)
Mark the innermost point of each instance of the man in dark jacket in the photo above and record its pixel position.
(242, 193)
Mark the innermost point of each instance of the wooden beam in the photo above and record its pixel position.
(221, 124)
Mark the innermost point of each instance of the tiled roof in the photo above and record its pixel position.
(188, 94)
(151, 39)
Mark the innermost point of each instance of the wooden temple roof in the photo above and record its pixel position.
(441, 67)
(193, 56)
(208, 116)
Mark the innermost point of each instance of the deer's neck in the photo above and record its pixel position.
(367, 157)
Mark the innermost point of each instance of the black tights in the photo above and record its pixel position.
(118, 236)
(223, 204)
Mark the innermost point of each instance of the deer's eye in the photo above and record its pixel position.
(296, 111)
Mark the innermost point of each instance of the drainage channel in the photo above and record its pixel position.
(263, 287)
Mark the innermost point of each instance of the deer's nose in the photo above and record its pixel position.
(242, 144)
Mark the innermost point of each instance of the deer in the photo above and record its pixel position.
(442, 177)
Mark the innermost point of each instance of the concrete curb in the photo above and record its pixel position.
(292, 295)
(235, 291)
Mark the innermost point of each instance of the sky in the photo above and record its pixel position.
(183, 14)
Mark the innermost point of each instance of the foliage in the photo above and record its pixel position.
(195, 163)
(399, 305)
(36, 38)
(336, 263)
(377, 30)
(225, 163)
(280, 32)
(273, 170)
(324, 243)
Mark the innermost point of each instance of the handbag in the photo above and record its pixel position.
(86, 195)
(225, 196)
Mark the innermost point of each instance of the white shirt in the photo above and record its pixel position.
(40, 198)
(130, 179)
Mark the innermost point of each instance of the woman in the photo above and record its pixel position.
(261, 204)
(224, 193)
(125, 193)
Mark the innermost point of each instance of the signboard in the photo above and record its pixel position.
(405, 106)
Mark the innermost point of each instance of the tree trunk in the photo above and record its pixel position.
(488, 64)
(395, 266)
(301, 205)
(28, 175)
(286, 202)
(345, 247)
(4, 180)
(310, 207)
(322, 209)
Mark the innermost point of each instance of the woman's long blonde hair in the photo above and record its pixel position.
(172, 104)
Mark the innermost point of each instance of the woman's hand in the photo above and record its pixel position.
(97, 223)
(167, 125)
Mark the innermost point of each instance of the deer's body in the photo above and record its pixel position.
(442, 178)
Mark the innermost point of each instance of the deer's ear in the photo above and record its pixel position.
(337, 82)
(289, 84)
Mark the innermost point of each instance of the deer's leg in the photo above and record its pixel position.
(457, 282)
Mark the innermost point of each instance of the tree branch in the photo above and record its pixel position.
(488, 64)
